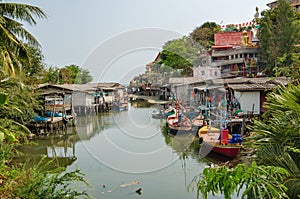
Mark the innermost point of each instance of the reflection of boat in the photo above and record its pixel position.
(158, 113)
(220, 142)
(179, 124)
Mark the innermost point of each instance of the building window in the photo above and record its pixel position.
(216, 73)
(202, 72)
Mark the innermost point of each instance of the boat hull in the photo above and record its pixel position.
(226, 150)
(177, 130)
(175, 127)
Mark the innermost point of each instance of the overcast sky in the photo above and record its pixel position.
(76, 30)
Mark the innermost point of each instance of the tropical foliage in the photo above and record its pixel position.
(14, 53)
(278, 35)
(71, 74)
(205, 34)
(20, 68)
(181, 54)
(254, 181)
(36, 182)
(277, 137)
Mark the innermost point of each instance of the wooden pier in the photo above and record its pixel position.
(52, 125)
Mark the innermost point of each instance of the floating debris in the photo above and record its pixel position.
(139, 191)
(130, 183)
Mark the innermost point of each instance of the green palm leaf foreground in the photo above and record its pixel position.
(13, 35)
(277, 137)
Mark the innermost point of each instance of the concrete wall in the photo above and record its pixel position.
(182, 92)
(206, 71)
(82, 99)
(79, 99)
(247, 99)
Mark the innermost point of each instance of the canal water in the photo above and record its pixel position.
(123, 152)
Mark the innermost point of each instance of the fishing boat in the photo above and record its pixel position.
(220, 141)
(179, 124)
(170, 111)
(40, 119)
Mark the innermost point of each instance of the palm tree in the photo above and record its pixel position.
(13, 34)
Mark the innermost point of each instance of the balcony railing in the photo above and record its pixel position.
(234, 52)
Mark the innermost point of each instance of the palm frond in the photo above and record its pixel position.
(22, 12)
(18, 30)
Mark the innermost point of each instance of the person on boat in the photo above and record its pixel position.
(229, 93)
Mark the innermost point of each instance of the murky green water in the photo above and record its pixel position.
(122, 152)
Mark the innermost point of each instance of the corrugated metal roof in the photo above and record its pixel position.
(79, 87)
(252, 87)
(260, 80)
(83, 87)
(108, 84)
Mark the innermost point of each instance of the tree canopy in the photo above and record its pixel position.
(181, 54)
(204, 34)
(71, 74)
(278, 35)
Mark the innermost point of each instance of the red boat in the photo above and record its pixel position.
(228, 146)
(226, 150)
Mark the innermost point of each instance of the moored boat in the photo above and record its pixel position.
(219, 142)
(179, 124)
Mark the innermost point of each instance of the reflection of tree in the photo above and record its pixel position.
(184, 145)
(60, 149)
(140, 103)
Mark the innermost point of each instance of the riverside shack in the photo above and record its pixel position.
(113, 95)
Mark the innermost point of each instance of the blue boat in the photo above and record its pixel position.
(40, 119)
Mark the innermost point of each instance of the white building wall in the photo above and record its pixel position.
(247, 99)
(82, 99)
(79, 99)
(182, 92)
(89, 99)
(206, 72)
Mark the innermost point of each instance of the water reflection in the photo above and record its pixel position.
(118, 148)
(61, 148)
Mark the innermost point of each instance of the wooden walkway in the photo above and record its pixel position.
(52, 125)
